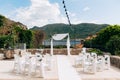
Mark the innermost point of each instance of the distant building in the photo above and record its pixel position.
(91, 37)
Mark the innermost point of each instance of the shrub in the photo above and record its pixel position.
(97, 51)
(113, 45)
(108, 40)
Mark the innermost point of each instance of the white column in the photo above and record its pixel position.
(51, 47)
(68, 45)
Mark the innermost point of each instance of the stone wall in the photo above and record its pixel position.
(115, 61)
(8, 54)
(62, 51)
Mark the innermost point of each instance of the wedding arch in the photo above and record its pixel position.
(60, 37)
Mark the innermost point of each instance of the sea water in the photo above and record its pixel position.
(61, 42)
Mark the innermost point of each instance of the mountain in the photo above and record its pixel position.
(76, 31)
(6, 25)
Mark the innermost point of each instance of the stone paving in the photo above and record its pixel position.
(6, 71)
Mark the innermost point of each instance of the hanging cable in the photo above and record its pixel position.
(66, 12)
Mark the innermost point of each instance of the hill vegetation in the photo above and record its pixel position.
(76, 31)
(13, 33)
(108, 39)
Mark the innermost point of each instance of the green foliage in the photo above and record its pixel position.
(18, 35)
(108, 39)
(2, 41)
(105, 34)
(1, 20)
(76, 31)
(25, 36)
(117, 52)
(97, 51)
(60, 46)
(5, 41)
(38, 37)
(28, 38)
(13, 33)
(113, 45)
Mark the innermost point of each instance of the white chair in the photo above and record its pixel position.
(16, 63)
(100, 63)
(17, 51)
(48, 61)
(79, 60)
(89, 65)
(41, 51)
(25, 61)
(94, 55)
(36, 65)
(107, 61)
(87, 56)
(83, 50)
(22, 52)
(1, 56)
(32, 66)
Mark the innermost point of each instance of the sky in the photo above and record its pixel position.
(42, 12)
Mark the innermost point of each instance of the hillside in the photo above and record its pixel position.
(76, 31)
(6, 25)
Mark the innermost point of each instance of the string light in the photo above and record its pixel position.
(66, 12)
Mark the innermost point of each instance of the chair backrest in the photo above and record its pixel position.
(94, 55)
(83, 50)
(101, 63)
(107, 58)
(81, 55)
(16, 57)
(89, 64)
(41, 51)
(23, 52)
(107, 61)
(38, 57)
(16, 51)
(48, 57)
(87, 56)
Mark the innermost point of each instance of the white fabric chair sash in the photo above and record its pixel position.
(16, 63)
(29, 62)
(107, 61)
(89, 65)
(100, 63)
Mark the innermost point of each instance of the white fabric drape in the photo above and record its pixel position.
(60, 37)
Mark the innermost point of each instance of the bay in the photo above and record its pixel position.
(61, 42)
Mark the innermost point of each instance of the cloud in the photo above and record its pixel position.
(42, 12)
(39, 13)
(86, 9)
(73, 18)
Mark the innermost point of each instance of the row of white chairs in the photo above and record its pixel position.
(28, 63)
(92, 63)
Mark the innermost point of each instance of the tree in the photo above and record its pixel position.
(108, 39)
(113, 45)
(28, 38)
(105, 34)
(38, 37)
(5, 41)
(25, 36)
(1, 20)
